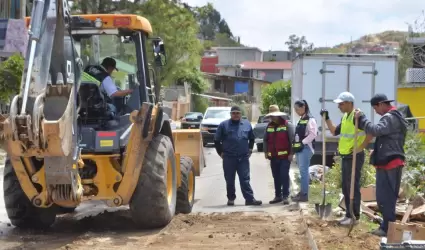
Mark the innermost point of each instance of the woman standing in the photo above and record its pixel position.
(305, 134)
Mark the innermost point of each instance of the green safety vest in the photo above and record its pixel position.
(85, 77)
(346, 140)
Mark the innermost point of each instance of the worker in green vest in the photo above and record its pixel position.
(346, 131)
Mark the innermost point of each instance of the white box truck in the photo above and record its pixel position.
(320, 78)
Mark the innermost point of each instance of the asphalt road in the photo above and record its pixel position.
(210, 193)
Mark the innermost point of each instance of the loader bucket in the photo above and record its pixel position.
(188, 142)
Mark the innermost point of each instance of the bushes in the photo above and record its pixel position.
(413, 180)
(10, 76)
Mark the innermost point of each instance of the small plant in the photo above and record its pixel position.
(10, 77)
(413, 180)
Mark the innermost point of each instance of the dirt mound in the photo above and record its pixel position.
(232, 231)
(328, 235)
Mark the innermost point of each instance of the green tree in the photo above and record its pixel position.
(10, 77)
(278, 93)
(178, 27)
(299, 44)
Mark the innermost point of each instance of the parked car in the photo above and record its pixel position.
(212, 118)
(191, 120)
(260, 129)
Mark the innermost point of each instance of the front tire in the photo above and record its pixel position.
(186, 192)
(153, 203)
(21, 212)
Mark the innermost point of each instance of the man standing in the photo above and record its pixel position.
(387, 156)
(234, 141)
(346, 130)
(277, 148)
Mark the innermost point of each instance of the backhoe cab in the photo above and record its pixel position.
(65, 147)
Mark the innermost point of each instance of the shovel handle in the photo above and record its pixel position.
(323, 148)
(353, 165)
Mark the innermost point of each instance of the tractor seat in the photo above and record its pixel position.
(92, 104)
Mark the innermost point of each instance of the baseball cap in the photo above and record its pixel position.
(109, 62)
(344, 97)
(379, 98)
(235, 109)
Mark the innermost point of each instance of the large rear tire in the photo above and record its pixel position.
(186, 192)
(153, 203)
(21, 212)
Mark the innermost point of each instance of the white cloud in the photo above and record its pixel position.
(267, 24)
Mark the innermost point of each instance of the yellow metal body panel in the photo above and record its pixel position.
(178, 171)
(106, 175)
(414, 97)
(116, 21)
(188, 142)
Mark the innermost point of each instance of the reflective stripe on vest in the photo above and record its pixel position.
(278, 153)
(85, 77)
(346, 140)
(278, 129)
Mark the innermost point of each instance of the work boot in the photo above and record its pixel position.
(254, 202)
(230, 203)
(300, 198)
(285, 201)
(379, 232)
(347, 222)
(276, 200)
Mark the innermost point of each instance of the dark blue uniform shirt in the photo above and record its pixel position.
(235, 137)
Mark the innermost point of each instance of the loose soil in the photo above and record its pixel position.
(328, 235)
(235, 231)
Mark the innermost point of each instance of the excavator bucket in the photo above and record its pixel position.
(189, 142)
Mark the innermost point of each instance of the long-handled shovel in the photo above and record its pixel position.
(324, 210)
(353, 176)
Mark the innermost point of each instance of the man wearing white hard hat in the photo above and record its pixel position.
(346, 131)
(277, 148)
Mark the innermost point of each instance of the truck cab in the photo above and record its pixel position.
(212, 118)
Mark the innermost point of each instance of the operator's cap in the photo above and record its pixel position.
(109, 62)
(379, 98)
(344, 97)
(273, 108)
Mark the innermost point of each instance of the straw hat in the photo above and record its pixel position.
(277, 113)
(273, 108)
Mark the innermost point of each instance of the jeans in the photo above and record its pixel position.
(240, 165)
(346, 166)
(303, 161)
(280, 172)
(387, 189)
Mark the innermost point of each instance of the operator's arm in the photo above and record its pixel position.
(365, 142)
(333, 128)
(384, 127)
(112, 90)
(251, 137)
(291, 135)
(265, 140)
(218, 138)
(312, 131)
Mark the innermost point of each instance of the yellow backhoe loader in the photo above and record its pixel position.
(64, 144)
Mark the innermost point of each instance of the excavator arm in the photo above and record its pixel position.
(43, 118)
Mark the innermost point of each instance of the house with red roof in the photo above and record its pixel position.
(267, 71)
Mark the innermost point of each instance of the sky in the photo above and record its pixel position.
(267, 24)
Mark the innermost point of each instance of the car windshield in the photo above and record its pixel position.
(221, 114)
(192, 115)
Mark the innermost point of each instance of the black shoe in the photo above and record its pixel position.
(276, 200)
(301, 198)
(285, 201)
(230, 203)
(253, 203)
